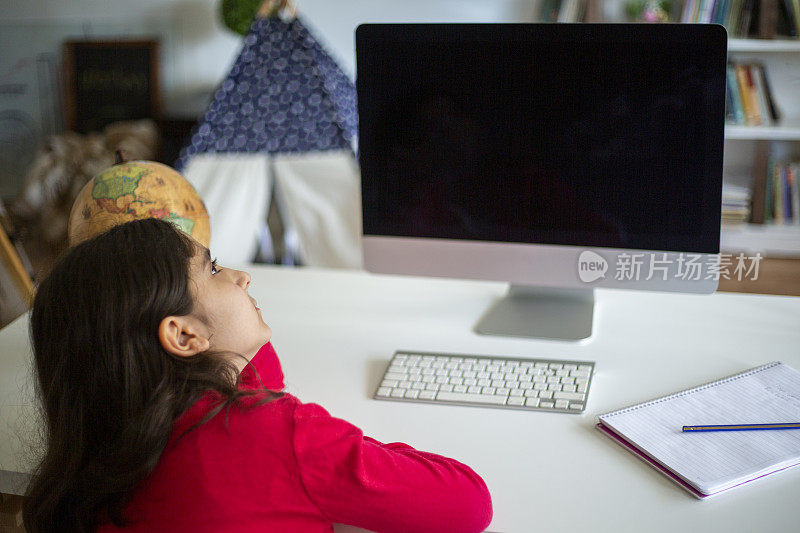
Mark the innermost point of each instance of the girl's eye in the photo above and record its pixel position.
(214, 269)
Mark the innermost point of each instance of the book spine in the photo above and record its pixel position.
(786, 24)
(757, 72)
(777, 200)
(735, 18)
(796, 13)
(768, 19)
(795, 168)
(752, 94)
(708, 6)
(735, 94)
(747, 13)
(741, 78)
(773, 108)
(723, 13)
(786, 183)
(770, 190)
(687, 10)
(715, 6)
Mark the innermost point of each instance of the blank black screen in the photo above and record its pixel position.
(571, 134)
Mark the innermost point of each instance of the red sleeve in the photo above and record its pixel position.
(356, 480)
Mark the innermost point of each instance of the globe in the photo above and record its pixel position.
(133, 190)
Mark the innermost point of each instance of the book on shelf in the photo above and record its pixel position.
(765, 19)
(781, 194)
(749, 99)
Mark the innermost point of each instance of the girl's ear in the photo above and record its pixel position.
(183, 336)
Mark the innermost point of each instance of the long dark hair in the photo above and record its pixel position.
(109, 391)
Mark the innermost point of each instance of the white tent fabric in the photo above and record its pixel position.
(320, 193)
(236, 189)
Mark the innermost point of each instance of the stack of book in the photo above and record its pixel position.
(783, 193)
(749, 98)
(744, 18)
(735, 204)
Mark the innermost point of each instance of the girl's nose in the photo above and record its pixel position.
(242, 279)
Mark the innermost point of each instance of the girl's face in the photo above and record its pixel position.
(224, 306)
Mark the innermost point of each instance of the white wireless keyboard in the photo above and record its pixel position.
(530, 384)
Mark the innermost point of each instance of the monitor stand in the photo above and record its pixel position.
(541, 312)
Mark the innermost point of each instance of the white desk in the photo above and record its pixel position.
(336, 330)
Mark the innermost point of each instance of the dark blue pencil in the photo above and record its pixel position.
(743, 427)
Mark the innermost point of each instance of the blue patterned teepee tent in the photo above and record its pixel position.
(284, 94)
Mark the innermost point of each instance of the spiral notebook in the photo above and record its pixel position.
(706, 464)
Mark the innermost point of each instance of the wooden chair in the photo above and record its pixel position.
(13, 266)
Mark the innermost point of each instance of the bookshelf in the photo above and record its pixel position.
(748, 147)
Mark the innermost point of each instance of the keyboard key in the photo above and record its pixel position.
(548, 405)
(389, 383)
(516, 401)
(562, 404)
(516, 392)
(413, 393)
(384, 391)
(532, 402)
(489, 399)
(460, 388)
(427, 395)
(576, 406)
(398, 393)
(395, 376)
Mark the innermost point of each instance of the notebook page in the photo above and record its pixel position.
(718, 460)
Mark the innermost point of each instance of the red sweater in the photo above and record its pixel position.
(291, 467)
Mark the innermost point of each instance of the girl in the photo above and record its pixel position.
(161, 397)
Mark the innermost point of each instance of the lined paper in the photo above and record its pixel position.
(712, 462)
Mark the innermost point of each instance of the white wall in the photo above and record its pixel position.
(197, 49)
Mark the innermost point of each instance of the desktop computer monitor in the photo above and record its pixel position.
(555, 157)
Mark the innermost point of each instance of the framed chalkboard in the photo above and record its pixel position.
(108, 81)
